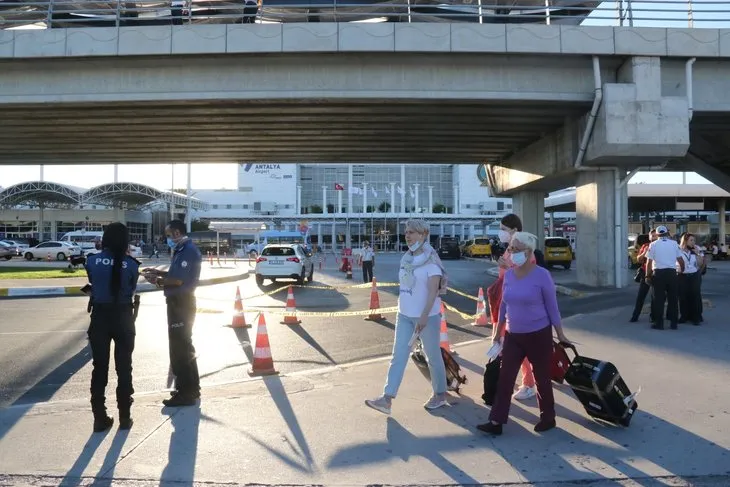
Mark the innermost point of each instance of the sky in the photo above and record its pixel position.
(673, 13)
(204, 176)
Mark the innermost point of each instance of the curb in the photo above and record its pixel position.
(564, 290)
(34, 292)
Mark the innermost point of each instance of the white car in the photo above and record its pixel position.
(53, 249)
(134, 251)
(284, 261)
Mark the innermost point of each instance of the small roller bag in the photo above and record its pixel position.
(491, 380)
(600, 388)
(454, 377)
(561, 360)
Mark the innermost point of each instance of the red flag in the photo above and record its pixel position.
(339, 187)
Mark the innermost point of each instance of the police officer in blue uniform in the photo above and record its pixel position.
(179, 283)
(113, 277)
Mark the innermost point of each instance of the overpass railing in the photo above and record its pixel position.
(19, 14)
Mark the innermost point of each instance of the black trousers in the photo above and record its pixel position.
(641, 295)
(110, 322)
(367, 271)
(181, 311)
(690, 297)
(665, 289)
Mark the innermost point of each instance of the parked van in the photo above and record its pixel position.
(85, 240)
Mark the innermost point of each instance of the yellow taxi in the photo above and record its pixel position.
(558, 252)
(479, 247)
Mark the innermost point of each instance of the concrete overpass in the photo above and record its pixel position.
(549, 106)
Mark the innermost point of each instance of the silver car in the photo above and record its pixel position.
(7, 251)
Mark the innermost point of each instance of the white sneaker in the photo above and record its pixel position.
(381, 404)
(524, 393)
(435, 402)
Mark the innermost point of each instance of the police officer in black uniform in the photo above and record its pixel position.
(179, 283)
(113, 277)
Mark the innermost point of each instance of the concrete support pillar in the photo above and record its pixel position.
(299, 200)
(453, 230)
(463, 232)
(324, 200)
(338, 211)
(392, 198)
(319, 234)
(430, 199)
(601, 239)
(334, 236)
(441, 230)
(530, 207)
(349, 188)
(364, 198)
(417, 203)
(471, 231)
(721, 221)
(456, 199)
(403, 187)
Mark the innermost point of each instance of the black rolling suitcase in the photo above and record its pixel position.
(600, 388)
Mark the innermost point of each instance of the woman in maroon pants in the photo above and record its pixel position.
(529, 310)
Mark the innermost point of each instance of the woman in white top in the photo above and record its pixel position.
(422, 279)
(690, 293)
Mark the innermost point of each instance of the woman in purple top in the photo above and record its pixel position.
(529, 310)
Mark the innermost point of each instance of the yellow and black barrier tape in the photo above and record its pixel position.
(323, 314)
(464, 295)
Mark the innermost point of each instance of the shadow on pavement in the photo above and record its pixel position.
(73, 476)
(183, 449)
(304, 335)
(45, 388)
(401, 443)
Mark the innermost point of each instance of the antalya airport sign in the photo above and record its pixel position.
(272, 171)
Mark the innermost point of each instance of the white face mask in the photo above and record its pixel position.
(415, 246)
(504, 236)
(519, 259)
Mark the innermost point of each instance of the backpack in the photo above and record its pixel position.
(454, 377)
(540, 258)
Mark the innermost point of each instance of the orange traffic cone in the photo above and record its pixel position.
(444, 336)
(263, 362)
(290, 318)
(481, 319)
(239, 320)
(374, 302)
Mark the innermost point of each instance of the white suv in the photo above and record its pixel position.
(284, 262)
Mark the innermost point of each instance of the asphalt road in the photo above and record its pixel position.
(44, 353)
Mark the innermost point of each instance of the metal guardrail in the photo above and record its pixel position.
(88, 13)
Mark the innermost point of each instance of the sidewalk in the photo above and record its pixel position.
(313, 428)
(209, 275)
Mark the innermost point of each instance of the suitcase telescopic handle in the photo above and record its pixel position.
(570, 346)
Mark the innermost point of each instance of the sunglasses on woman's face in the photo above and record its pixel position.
(512, 249)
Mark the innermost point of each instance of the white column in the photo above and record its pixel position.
(456, 199)
(116, 173)
(471, 231)
(364, 197)
(721, 227)
(463, 232)
(324, 199)
(319, 234)
(403, 185)
(417, 199)
(392, 197)
(453, 230)
(334, 236)
(441, 229)
(188, 214)
(338, 211)
(42, 177)
(430, 199)
(299, 200)
(349, 186)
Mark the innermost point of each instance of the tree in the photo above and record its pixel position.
(439, 208)
(315, 209)
(199, 226)
(384, 207)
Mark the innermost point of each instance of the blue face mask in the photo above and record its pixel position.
(171, 243)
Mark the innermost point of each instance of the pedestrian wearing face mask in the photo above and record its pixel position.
(179, 284)
(509, 225)
(527, 315)
(422, 280)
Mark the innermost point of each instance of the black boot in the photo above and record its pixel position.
(125, 415)
(102, 422)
